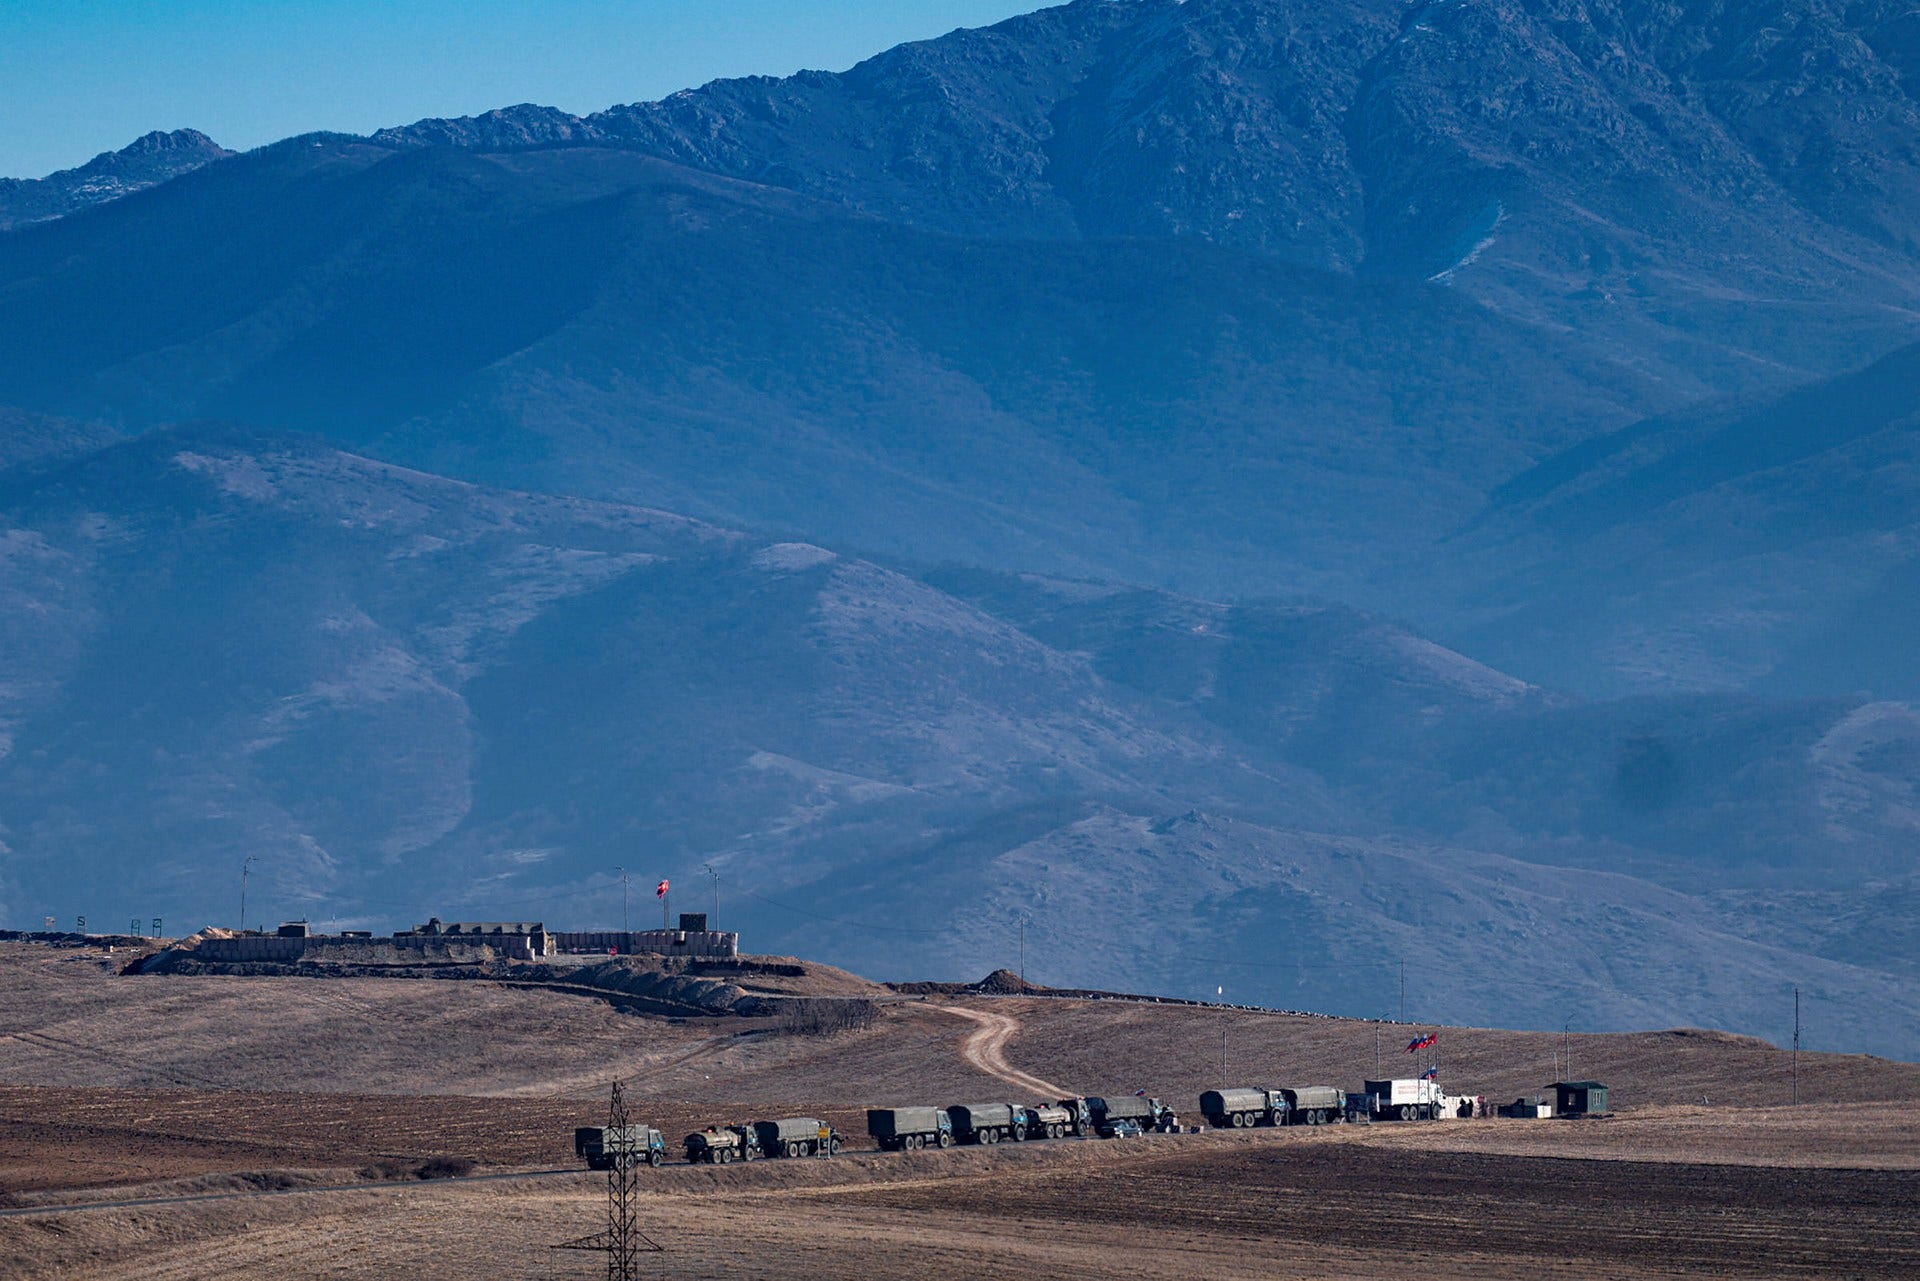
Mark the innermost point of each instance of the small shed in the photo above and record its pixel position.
(1579, 1098)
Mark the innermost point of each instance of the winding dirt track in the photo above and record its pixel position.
(985, 1048)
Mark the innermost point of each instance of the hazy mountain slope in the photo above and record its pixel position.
(1771, 544)
(1698, 790)
(27, 437)
(603, 323)
(391, 684)
(1723, 194)
(143, 163)
(1311, 922)
(409, 695)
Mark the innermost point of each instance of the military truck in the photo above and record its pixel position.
(987, 1123)
(1240, 1108)
(1314, 1104)
(796, 1136)
(1097, 1114)
(904, 1129)
(1407, 1099)
(603, 1145)
(721, 1144)
(1045, 1122)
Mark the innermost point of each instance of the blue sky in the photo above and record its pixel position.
(78, 77)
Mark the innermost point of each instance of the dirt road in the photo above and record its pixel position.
(985, 1048)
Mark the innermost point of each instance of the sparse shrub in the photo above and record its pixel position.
(445, 1167)
(820, 1016)
(387, 1167)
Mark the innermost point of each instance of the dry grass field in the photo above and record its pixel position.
(255, 1095)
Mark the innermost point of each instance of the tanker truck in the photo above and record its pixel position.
(721, 1144)
(1048, 1121)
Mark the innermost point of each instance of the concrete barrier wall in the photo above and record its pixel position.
(424, 948)
(712, 943)
(240, 951)
(517, 947)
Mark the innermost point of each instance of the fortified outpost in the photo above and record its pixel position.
(470, 941)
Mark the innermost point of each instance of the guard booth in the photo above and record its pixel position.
(1579, 1098)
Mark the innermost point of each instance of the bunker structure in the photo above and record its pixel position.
(1579, 1098)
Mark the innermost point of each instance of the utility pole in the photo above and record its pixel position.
(714, 923)
(1023, 954)
(1403, 989)
(246, 867)
(1223, 1059)
(623, 1242)
(1376, 1049)
(1796, 1047)
(1566, 1047)
(626, 909)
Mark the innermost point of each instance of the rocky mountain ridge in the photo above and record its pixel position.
(1628, 167)
(147, 161)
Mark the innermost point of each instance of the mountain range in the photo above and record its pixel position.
(1321, 483)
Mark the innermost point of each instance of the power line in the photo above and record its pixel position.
(623, 1242)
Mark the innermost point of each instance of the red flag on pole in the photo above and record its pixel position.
(660, 890)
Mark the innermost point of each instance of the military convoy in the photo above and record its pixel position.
(909, 1129)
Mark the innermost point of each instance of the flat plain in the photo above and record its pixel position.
(176, 1126)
